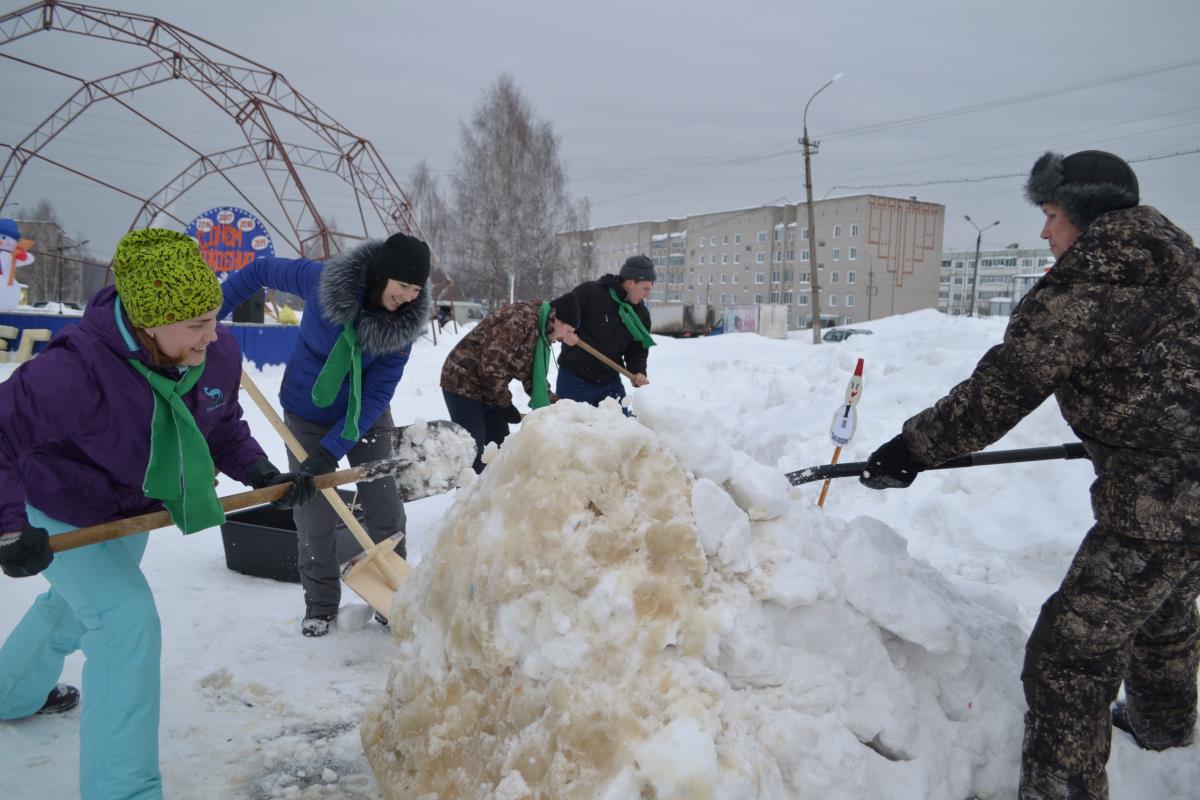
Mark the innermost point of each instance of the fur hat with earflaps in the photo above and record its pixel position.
(1084, 184)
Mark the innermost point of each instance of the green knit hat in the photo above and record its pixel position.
(162, 278)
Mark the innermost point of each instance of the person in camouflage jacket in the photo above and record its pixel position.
(498, 350)
(1113, 332)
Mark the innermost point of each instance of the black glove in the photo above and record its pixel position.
(511, 415)
(28, 555)
(319, 462)
(892, 466)
(264, 473)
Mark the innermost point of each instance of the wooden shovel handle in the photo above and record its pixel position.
(603, 359)
(331, 496)
(81, 537)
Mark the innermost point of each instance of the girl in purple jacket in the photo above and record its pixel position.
(132, 410)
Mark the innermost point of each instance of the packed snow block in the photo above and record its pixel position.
(261, 541)
(594, 619)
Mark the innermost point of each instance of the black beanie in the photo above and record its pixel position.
(402, 258)
(1084, 184)
(566, 309)
(637, 268)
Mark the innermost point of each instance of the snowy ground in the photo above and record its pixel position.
(252, 710)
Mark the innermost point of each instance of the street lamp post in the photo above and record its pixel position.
(975, 274)
(59, 252)
(810, 147)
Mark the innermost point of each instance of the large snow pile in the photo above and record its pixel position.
(627, 607)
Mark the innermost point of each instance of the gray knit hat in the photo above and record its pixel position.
(637, 268)
(1084, 184)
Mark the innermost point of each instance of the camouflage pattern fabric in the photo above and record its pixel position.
(497, 351)
(1126, 610)
(162, 278)
(1113, 332)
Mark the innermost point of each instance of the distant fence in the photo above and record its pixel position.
(260, 344)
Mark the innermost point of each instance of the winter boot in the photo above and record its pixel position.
(61, 698)
(317, 625)
(1120, 719)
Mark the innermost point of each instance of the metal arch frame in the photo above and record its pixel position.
(246, 92)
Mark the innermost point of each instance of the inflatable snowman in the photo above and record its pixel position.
(14, 252)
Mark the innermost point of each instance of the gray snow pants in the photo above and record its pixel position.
(383, 513)
(1126, 610)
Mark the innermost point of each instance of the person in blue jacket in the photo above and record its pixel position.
(363, 309)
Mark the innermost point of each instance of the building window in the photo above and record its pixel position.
(760, 257)
(850, 276)
(712, 241)
(849, 301)
(853, 253)
(760, 277)
(837, 254)
(790, 255)
(702, 241)
(779, 234)
(723, 282)
(802, 300)
(833, 277)
(723, 298)
(724, 258)
(733, 298)
(804, 277)
(758, 298)
(775, 277)
(804, 255)
(733, 278)
(725, 239)
(777, 257)
(737, 258)
(787, 298)
(737, 238)
(837, 231)
(854, 229)
(832, 301)
(804, 234)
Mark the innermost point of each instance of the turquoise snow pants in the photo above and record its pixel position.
(99, 601)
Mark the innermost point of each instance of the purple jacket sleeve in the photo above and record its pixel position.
(34, 412)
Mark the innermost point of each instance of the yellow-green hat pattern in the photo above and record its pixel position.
(162, 278)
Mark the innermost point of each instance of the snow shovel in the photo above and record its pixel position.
(603, 359)
(106, 531)
(377, 575)
(854, 468)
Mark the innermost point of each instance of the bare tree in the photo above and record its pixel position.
(510, 200)
(433, 221)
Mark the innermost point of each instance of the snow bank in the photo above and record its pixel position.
(593, 620)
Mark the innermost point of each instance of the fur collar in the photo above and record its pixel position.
(380, 332)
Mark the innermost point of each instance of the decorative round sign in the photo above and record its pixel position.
(230, 238)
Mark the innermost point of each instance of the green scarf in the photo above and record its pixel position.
(346, 356)
(180, 472)
(541, 360)
(633, 322)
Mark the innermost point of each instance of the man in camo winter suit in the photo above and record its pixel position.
(1113, 332)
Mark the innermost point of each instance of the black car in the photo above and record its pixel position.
(841, 334)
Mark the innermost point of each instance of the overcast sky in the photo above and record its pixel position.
(671, 108)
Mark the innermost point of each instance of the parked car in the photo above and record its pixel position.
(841, 334)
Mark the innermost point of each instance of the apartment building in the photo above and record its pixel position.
(1004, 277)
(876, 256)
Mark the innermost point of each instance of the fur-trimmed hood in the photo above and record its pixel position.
(343, 282)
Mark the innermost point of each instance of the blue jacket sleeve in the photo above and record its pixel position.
(293, 275)
(379, 384)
